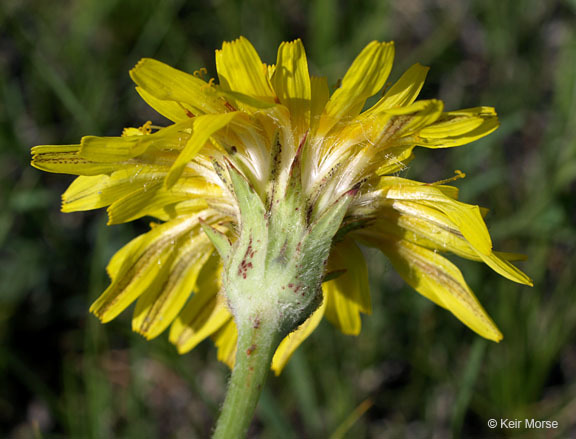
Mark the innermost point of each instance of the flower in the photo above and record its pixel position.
(268, 136)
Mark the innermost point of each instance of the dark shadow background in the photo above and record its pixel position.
(415, 371)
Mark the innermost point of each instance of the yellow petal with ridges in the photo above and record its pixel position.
(457, 123)
(204, 127)
(270, 69)
(140, 268)
(204, 314)
(141, 202)
(340, 311)
(367, 74)
(156, 309)
(433, 230)
(93, 192)
(469, 221)
(413, 215)
(114, 149)
(295, 339)
(506, 269)
(162, 205)
(405, 91)
(452, 128)
(395, 159)
(118, 259)
(245, 102)
(202, 319)
(146, 269)
(441, 234)
(386, 129)
(413, 117)
(438, 279)
(291, 82)
(192, 206)
(85, 193)
(457, 128)
(64, 159)
(508, 256)
(439, 229)
(169, 84)
(175, 111)
(466, 217)
(348, 294)
(150, 196)
(225, 340)
(240, 69)
(319, 95)
(388, 182)
(166, 213)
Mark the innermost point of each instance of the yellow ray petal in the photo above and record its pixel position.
(411, 118)
(153, 196)
(245, 102)
(270, 69)
(161, 205)
(93, 192)
(121, 149)
(457, 128)
(141, 202)
(405, 90)
(389, 181)
(112, 149)
(240, 69)
(466, 217)
(192, 206)
(166, 83)
(468, 220)
(507, 256)
(295, 339)
(204, 127)
(348, 294)
(225, 340)
(204, 314)
(506, 269)
(292, 85)
(340, 311)
(85, 193)
(367, 74)
(319, 95)
(175, 111)
(440, 230)
(122, 255)
(144, 270)
(157, 308)
(142, 266)
(388, 128)
(64, 159)
(429, 228)
(198, 322)
(395, 159)
(438, 279)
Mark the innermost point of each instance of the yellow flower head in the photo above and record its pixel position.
(278, 130)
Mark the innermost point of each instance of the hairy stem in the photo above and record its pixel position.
(257, 342)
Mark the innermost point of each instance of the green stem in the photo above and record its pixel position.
(257, 342)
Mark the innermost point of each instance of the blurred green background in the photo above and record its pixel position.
(415, 371)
